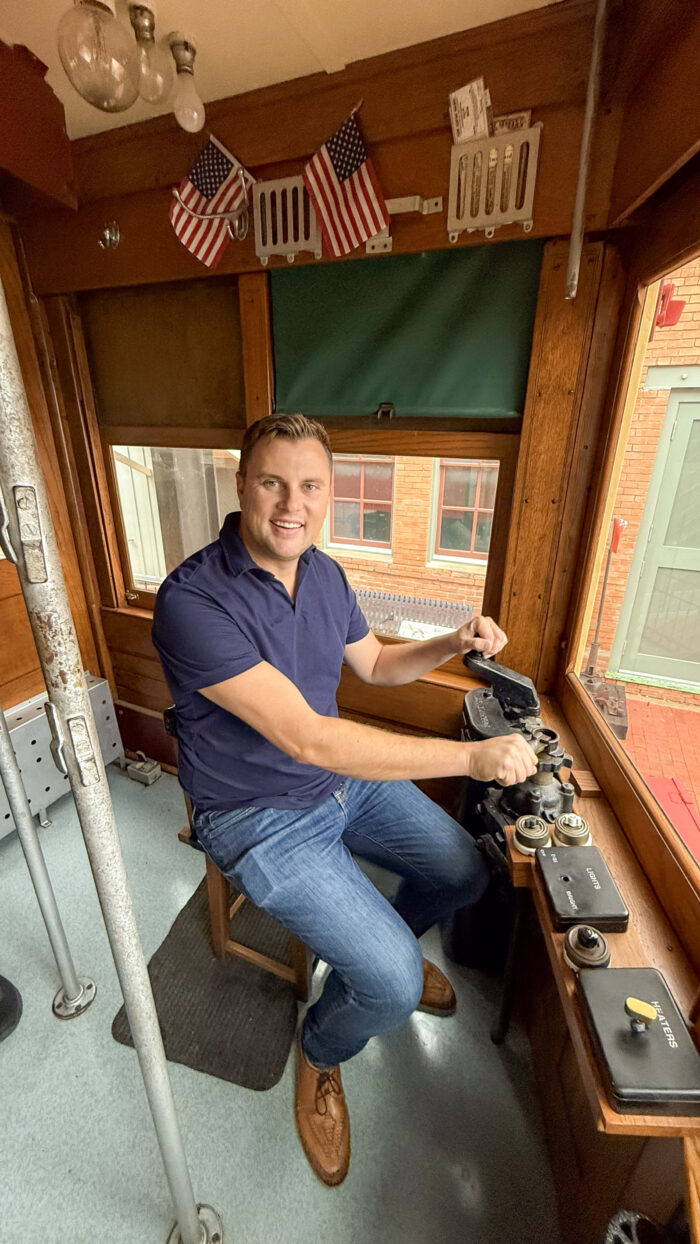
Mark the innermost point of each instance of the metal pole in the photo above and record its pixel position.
(76, 995)
(592, 97)
(28, 538)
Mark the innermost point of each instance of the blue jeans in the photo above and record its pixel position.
(297, 865)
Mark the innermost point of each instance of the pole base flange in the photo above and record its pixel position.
(68, 1008)
(212, 1224)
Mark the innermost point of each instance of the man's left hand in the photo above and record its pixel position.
(481, 634)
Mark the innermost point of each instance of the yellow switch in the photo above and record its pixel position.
(644, 1012)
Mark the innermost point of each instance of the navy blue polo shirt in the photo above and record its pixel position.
(219, 614)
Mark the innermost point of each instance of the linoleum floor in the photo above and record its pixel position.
(446, 1130)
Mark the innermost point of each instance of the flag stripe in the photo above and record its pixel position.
(321, 209)
(335, 233)
(340, 199)
(338, 226)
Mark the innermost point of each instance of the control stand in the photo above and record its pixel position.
(509, 705)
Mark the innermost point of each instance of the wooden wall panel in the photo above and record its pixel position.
(24, 341)
(537, 60)
(20, 672)
(34, 145)
(661, 124)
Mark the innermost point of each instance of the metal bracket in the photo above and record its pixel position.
(30, 535)
(58, 742)
(111, 236)
(414, 203)
(5, 541)
(381, 243)
(83, 749)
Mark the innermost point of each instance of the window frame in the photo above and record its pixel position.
(362, 545)
(454, 555)
(501, 447)
(672, 871)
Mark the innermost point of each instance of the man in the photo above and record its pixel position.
(252, 632)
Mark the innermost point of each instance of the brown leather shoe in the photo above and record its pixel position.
(438, 996)
(322, 1119)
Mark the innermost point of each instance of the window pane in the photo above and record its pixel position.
(173, 502)
(483, 533)
(460, 485)
(377, 525)
(489, 480)
(684, 523)
(456, 531)
(378, 480)
(672, 627)
(347, 476)
(346, 520)
(640, 659)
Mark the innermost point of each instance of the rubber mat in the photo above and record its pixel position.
(226, 1018)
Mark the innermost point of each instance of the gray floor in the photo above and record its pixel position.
(447, 1137)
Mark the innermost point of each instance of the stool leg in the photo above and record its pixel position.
(301, 963)
(217, 890)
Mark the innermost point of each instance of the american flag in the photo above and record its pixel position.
(213, 185)
(344, 190)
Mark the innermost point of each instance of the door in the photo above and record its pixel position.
(659, 631)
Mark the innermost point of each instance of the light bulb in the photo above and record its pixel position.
(187, 106)
(99, 55)
(155, 62)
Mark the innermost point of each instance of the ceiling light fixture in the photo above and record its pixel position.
(187, 106)
(99, 55)
(156, 73)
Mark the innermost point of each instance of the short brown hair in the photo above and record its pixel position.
(290, 427)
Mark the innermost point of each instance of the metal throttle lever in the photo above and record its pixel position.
(515, 693)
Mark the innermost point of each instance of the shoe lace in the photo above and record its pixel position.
(328, 1085)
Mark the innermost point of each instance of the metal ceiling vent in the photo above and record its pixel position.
(285, 221)
(492, 182)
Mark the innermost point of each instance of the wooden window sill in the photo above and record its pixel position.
(648, 942)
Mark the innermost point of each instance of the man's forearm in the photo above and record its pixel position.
(401, 663)
(361, 751)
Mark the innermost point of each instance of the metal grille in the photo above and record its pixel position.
(492, 182)
(285, 221)
(411, 617)
(30, 735)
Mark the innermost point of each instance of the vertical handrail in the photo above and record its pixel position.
(592, 97)
(75, 995)
(33, 540)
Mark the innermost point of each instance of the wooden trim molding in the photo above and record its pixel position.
(561, 397)
(256, 332)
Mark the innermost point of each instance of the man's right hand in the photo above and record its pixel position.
(507, 759)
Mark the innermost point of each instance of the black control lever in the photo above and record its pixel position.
(512, 690)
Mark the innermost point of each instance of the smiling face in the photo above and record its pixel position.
(283, 497)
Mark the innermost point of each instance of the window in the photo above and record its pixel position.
(639, 653)
(466, 500)
(362, 501)
(172, 502)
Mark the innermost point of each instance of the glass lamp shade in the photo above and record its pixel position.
(99, 56)
(156, 72)
(187, 106)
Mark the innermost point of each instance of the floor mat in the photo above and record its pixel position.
(227, 1018)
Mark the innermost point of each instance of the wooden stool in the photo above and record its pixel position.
(222, 912)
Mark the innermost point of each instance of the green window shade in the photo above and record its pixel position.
(444, 333)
